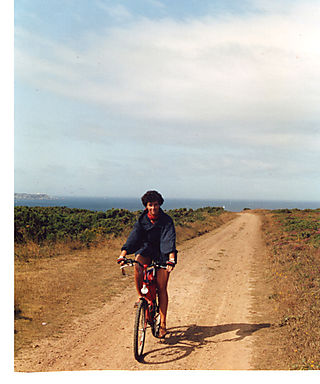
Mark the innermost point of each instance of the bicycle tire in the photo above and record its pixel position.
(156, 321)
(140, 328)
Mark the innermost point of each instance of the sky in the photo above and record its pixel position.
(196, 99)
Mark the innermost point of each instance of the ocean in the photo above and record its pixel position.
(134, 204)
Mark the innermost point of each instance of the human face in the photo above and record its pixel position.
(153, 208)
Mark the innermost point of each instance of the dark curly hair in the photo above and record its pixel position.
(150, 197)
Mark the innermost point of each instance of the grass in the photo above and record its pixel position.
(293, 242)
(57, 283)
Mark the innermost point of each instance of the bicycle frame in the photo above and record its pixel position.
(149, 286)
(149, 290)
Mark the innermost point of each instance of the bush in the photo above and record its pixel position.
(50, 224)
(40, 224)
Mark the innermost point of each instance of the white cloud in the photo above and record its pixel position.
(261, 68)
(244, 89)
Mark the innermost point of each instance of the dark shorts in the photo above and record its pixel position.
(159, 258)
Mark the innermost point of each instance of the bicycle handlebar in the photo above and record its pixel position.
(130, 262)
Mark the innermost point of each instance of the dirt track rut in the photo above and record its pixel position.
(209, 318)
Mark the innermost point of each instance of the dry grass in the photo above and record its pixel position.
(191, 230)
(293, 272)
(58, 289)
(54, 285)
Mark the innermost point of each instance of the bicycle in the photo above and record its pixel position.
(148, 307)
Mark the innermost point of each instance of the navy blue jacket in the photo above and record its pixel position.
(155, 240)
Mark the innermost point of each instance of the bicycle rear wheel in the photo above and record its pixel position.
(140, 327)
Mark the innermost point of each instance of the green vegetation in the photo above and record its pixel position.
(40, 224)
(52, 224)
(183, 216)
(293, 239)
(300, 225)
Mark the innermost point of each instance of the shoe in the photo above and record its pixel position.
(162, 332)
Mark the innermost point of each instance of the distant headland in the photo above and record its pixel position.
(33, 196)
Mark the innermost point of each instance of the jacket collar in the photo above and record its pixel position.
(145, 221)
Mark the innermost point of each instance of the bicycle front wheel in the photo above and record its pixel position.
(140, 327)
(156, 320)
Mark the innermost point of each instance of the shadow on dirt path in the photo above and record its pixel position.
(182, 341)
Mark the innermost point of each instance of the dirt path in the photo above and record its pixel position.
(210, 318)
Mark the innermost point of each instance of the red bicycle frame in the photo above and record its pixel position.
(149, 289)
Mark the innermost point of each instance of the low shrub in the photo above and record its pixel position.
(45, 227)
(293, 240)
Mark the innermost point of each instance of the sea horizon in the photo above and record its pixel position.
(134, 204)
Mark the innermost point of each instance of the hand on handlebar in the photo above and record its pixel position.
(170, 265)
(169, 268)
(121, 260)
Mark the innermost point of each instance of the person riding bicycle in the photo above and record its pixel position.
(153, 238)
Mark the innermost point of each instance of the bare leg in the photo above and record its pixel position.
(138, 276)
(162, 282)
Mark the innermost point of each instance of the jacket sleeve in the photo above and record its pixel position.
(134, 240)
(168, 238)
